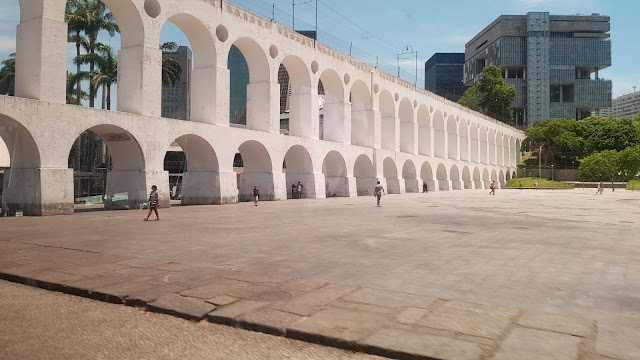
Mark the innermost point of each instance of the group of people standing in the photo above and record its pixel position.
(296, 191)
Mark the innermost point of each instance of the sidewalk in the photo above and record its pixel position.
(386, 323)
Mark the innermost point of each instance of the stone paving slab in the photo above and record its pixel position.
(268, 320)
(338, 325)
(618, 341)
(558, 323)
(532, 344)
(180, 306)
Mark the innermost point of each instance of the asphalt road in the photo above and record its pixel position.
(38, 324)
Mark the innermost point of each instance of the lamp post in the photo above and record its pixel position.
(540, 163)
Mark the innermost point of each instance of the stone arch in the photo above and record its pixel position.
(203, 76)
(424, 131)
(474, 134)
(390, 173)
(200, 180)
(486, 178)
(518, 151)
(257, 169)
(259, 112)
(299, 168)
(452, 137)
(454, 174)
(333, 126)
(463, 132)
(514, 175)
(484, 145)
(388, 118)
(442, 177)
(301, 119)
(365, 175)
(23, 157)
(466, 178)
(127, 182)
(501, 178)
(411, 183)
(407, 127)
(335, 172)
(508, 175)
(362, 129)
(477, 179)
(439, 135)
(494, 175)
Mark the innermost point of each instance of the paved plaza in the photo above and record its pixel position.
(450, 275)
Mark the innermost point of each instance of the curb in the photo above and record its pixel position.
(220, 320)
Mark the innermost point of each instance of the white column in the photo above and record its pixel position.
(336, 126)
(206, 105)
(140, 80)
(39, 191)
(41, 60)
(263, 106)
(303, 112)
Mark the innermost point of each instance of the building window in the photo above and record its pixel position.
(561, 93)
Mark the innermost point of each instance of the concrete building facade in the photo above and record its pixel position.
(552, 61)
(175, 99)
(627, 105)
(444, 75)
(376, 127)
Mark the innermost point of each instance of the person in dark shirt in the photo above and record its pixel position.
(153, 203)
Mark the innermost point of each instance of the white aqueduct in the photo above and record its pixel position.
(376, 127)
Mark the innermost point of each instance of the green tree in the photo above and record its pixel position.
(171, 69)
(105, 73)
(491, 95)
(8, 76)
(609, 134)
(559, 139)
(629, 162)
(89, 17)
(72, 93)
(601, 166)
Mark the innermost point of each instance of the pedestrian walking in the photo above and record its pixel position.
(256, 194)
(153, 203)
(294, 191)
(535, 186)
(425, 188)
(520, 185)
(600, 188)
(378, 191)
(493, 188)
(300, 190)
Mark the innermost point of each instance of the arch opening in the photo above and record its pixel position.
(299, 171)
(426, 174)
(443, 179)
(411, 183)
(390, 173)
(296, 97)
(333, 108)
(466, 178)
(253, 166)
(477, 179)
(454, 174)
(188, 70)
(334, 169)
(365, 175)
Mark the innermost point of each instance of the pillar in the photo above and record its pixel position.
(366, 124)
(304, 115)
(206, 105)
(408, 137)
(336, 125)
(41, 60)
(140, 80)
(390, 125)
(39, 191)
(263, 106)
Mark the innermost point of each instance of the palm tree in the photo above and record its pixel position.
(89, 17)
(72, 93)
(8, 76)
(105, 73)
(171, 69)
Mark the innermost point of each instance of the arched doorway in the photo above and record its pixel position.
(466, 178)
(426, 174)
(365, 175)
(443, 179)
(477, 179)
(410, 177)
(297, 97)
(335, 173)
(486, 178)
(256, 169)
(299, 169)
(456, 184)
(390, 173)
(194, 176)
(501, 179)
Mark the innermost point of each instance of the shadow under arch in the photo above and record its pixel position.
(257, 170)
(411, 183)
(442, 177)
(334, 168)
(426, 174)
(23, 155)
(390, 173)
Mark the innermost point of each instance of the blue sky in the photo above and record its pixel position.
(383, 28)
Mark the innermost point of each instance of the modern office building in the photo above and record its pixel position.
(627, 105)
(238, 81)
(175, 99)
(552, 61)
(444, 75)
